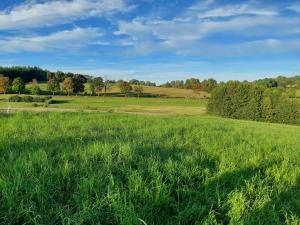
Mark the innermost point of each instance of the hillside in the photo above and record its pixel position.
(150, 91)
(168, 92)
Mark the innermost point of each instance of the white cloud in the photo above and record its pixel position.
(174, 31)
(32, 14)
(67, 39)
(295, 7)
(201, 5)
(189, 31)
(236, 10)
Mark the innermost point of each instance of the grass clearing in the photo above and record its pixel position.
(89, 168)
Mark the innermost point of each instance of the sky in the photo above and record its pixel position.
(155, 40)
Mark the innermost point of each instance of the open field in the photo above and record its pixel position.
(168, 92)
(89, 168)
(166, 106)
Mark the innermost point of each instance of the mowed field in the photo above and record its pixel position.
(160, 106)
(113, 168)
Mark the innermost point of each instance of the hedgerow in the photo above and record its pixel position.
(243, 100)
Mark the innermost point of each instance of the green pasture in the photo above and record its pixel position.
(119, 104)
(102, 168)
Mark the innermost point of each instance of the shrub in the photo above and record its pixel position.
(50, 101)
(15, 98)
(27, 99)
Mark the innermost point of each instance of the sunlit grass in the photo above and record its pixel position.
(90, 168)
(129, 104)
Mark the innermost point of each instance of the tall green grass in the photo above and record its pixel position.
(80, 168)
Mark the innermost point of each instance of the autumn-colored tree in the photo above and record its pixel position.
(18, 85)
(4, 85)
(68, 85)
(125, 87)
(53, 85)
(138, 89)
(197, 87)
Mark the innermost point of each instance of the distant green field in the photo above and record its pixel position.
(100, 168)
(121, 104)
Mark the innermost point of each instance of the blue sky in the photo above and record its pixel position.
(155, 40)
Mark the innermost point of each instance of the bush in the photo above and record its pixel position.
(27, 99)
(50, 101)
(15, 98)
(38, 99)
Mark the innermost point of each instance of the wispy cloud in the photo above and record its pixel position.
(232, 10)
(188, 32)
(295, 7)
(67, 39)
(33, 14)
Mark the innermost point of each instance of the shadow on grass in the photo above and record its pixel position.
(180, 184)
(55, 101)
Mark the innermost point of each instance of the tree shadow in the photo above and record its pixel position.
(182, 185)
(56, 101)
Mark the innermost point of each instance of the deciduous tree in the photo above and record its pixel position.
(138, 89)
(35, 89)
(209, 85)
(53, 85)
(125, 87)
(68, 85)
(18, 85)
(4, 85)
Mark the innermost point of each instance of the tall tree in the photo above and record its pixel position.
(68, 85)
(96, 85)
(138, 89)
(18, 85)
(98, 82)
(4, 84)
(106, 86)
(78, 83)
(209, 85)
(53, 85)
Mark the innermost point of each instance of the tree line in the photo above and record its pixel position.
(255, 101)
(192, 83)
(70, 85)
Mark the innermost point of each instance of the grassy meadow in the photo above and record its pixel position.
(164, 106)
(298, 93)
(108, 168)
